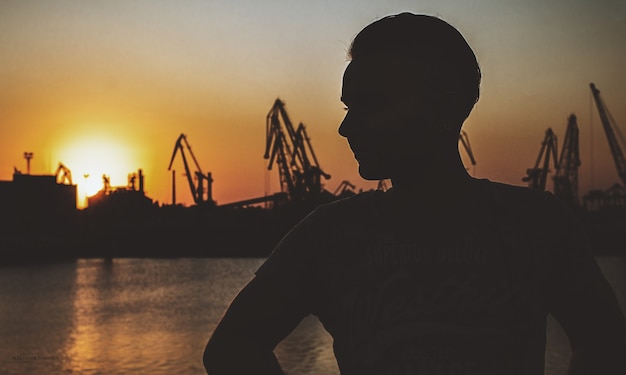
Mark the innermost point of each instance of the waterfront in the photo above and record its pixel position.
(120, 316)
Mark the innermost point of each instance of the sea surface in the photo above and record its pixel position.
(154, 316)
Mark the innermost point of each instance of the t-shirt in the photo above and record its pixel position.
(465, 291)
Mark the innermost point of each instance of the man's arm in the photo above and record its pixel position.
(595, 326)
(256, 321)
(585, 305)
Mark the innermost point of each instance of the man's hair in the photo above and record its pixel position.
(435, 51)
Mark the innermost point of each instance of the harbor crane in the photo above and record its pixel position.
(290, 148)
(609, 129)
(537, 176)
(63, 175)
(566, 166)
(344, 188)
(464, 139)
(566, 176)
(197, 191)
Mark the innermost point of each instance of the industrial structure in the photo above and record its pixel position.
(615, 196)
(610, 129)
(37, 203)
(565, 177)
(63, 175)
(289, 148)
(121, 221)
(300, 173)
(537, 175)
(345, 188)
(200, 194)
(129, 198)
(464, 139)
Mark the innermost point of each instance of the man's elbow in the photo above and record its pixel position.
(604, 357)
(217, 356)
(234, 354)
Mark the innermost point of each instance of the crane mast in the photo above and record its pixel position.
(277, 145)
(608, 124)
(566, 176)
(291, 149)
(537, 176)
(198, 191)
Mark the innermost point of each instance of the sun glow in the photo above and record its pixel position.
(90, 158)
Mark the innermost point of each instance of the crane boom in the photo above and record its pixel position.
(536, 176)
(464, 139)
(608, 125)
(566, 176)
(179, 146)
(290, 148)
(197, 192)
(344, 187)
(277, 149)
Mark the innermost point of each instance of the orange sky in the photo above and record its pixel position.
(107, 86)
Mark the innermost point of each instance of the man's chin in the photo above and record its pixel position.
(372, 174)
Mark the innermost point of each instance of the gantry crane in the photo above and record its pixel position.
(290, 148)
(537, 176)
(566, 176)
(197, 191)
(609, 129)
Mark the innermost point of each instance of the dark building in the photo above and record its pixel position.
(36, 204)
(121, 200)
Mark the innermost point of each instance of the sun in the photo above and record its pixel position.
(89, 158)
(90, 185)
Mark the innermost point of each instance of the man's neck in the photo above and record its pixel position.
(437, 179)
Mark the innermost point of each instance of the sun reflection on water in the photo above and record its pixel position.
(115, 322)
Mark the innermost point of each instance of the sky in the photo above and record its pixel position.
(106, 87)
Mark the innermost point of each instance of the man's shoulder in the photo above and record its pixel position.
(507, 193)
(521, 200)
(359, 206)
(365, 200)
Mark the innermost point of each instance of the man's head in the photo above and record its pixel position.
(411, 83)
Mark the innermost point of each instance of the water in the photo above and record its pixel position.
(154, 316)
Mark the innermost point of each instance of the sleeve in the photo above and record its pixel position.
(291, 265)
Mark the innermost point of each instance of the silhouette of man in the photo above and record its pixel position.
(442, 274)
